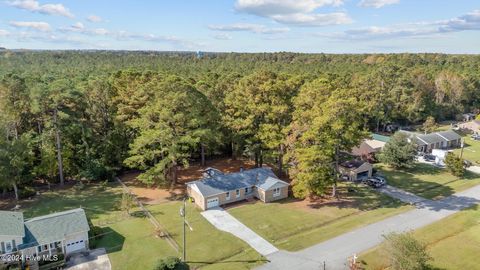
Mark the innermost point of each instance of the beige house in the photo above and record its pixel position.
(217, 189)
(356, 170)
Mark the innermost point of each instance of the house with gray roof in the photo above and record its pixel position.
(438, 140)
(217, 189)
(63, 232)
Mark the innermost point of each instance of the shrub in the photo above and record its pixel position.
(171, 263)
(455, 165)
(405, 252)
(26, 192)
(79, 186)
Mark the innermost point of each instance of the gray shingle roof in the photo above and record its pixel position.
(432, 138)
(54, 227)
(450, 135)
(267, 183)
(260, 177)
(11, 223)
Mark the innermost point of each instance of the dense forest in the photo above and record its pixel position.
(91, 114)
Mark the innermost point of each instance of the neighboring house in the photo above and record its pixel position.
(468, 117)
(63, 232)
(369, 147)
(473, 126)
(437, 140)
(218, 189)
(356, 170)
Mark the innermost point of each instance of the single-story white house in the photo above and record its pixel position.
(217, 188)
(58, 233)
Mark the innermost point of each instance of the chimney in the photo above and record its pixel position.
(241, 169)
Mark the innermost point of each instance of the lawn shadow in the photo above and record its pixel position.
(109, 239)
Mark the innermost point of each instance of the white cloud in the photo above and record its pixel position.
(266, 8)
(40, 26)
(35, 6)
(4, 33)
(223, 36)
(248, 27)
(312, 19)
(377, 3)
(94, 18)
(467, 22)
(294, 12)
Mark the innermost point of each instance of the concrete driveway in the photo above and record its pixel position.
(94, 259)
(401, 195)
(223, 221)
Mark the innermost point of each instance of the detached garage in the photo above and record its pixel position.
(356, 170)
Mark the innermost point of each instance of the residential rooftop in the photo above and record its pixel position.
(12, 224)
(262, 178)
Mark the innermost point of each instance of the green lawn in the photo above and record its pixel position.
(454, 243)
(293, 228)
(131, 241)
(206, 246)
(471, 151)
(428, 181)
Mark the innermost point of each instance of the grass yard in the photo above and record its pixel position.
(471, 151)
(131, 241)
(206, 246)
(294, 225)
(454, 243)
(428, 181)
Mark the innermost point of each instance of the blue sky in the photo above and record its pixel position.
(330, 26)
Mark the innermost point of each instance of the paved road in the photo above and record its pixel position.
(94, 259)
(335, 251)
(226, 222)
(401, 195)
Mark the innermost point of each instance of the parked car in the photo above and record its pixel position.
(381, 179)
(375, 182)
(429, 158)
(476, 137)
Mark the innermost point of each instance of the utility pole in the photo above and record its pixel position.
(184, 214)
(462, 145)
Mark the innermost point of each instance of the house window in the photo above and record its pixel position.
(246, 190)
(228, 196)
(276, 192)
(237, 193)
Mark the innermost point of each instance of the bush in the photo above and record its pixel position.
(79, 186)
(171, 263)
(26, 192)
(405, 252)
(455, 165)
